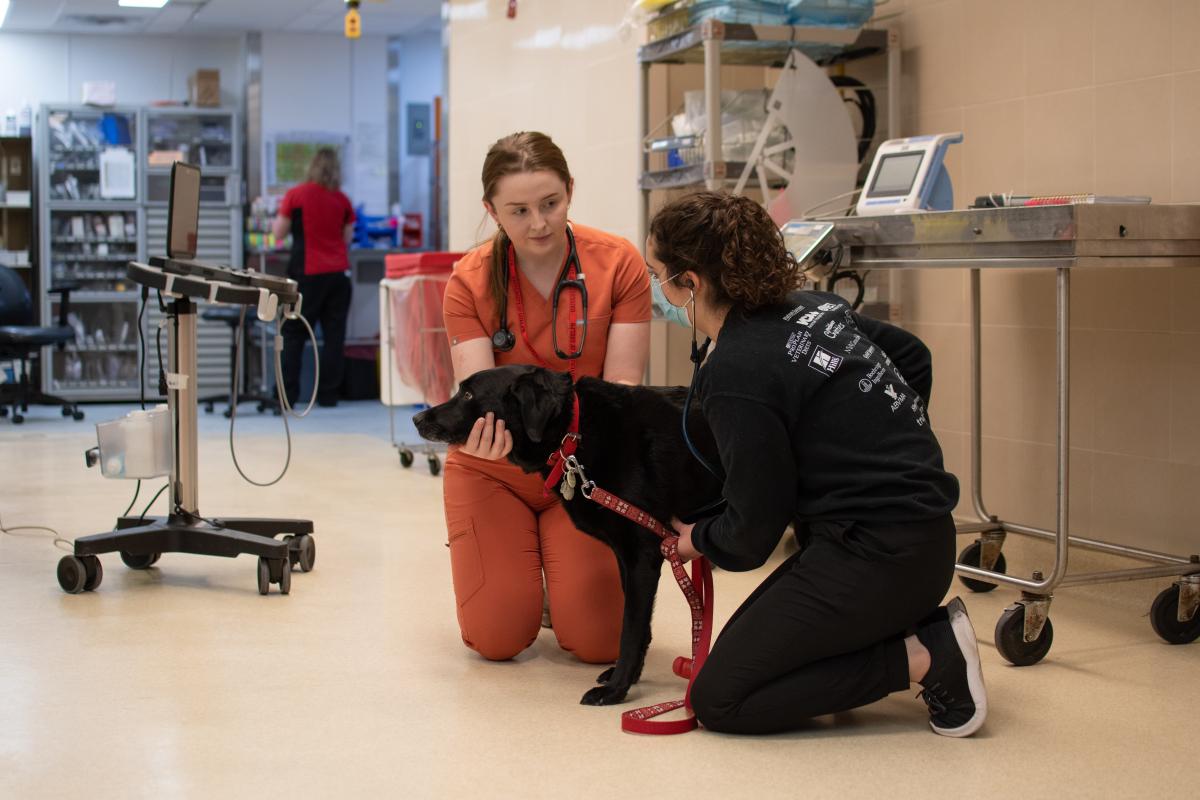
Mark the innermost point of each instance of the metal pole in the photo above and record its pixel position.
(181, 382)
(714, 158)
(1063, 337)
(977, 399)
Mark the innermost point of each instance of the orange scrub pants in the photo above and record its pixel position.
(502, 535)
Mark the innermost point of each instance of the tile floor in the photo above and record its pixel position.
(181, 681)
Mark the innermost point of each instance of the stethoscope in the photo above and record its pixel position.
(570, 278)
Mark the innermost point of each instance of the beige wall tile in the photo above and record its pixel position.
(1018, 297)
(993, 150)
(1059, 44)
(1133, 39)
(1133, 399)
(1133, 138)
(1132, 500)
(1120, 299)
(1182, 535)
(1185, 126)
(1088, 374)
(1185, 299)
(994, 50)
(1184, 386)
(1060, 142)
(933, 295)
(1019, 384)
(949, 346)
(932, 64)
(1020, 481)
(1185, 35)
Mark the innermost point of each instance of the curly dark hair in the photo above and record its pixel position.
(730, 240)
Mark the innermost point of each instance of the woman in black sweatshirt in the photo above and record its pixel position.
(821, 417)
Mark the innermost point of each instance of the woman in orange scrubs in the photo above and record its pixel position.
(503, 533)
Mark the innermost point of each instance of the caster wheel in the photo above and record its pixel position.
(208, 408)
(72, 574)
(264, 575)
(306, 553)
(1165, 620)
(406, 457)
(95, 572)
(3, 413)
(227, 413)
(970, 557)
(77, 416)
(17, 419)
(66, 411)
(285, 576)
(435, 465)
(1010, 638)
(139, 561)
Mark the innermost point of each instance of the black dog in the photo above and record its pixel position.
(630, 444)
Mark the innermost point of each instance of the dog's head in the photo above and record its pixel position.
(534, 402)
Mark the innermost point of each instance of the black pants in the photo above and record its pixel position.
(326, 302)
(825, 632)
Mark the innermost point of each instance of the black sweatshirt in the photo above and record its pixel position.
(819, 413)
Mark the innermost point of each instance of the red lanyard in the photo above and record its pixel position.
(515, 282)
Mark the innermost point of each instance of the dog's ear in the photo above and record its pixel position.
(540, 394)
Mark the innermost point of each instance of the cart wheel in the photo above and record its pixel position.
(72, 574)
(17, 418)
(307, 554)
(77, 416)
(95, 572)
(264, 575)
(1164, 617)
(66, 411)
(208, 408)
(285, 576)
(406, 458)
(969, 557)
(3, 412)
(435, 465)
(139, 561)
(1010, 638)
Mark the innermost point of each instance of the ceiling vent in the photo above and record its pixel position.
(108, 22)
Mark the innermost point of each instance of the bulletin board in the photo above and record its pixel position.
(289, 154)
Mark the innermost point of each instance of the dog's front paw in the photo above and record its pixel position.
(606, 676)
(604, 696)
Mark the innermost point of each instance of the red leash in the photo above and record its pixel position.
(699, 593)
(698, 589)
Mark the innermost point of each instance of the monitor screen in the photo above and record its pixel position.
(183, 213)
(896, 174)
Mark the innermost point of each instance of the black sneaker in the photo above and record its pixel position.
(954, 688)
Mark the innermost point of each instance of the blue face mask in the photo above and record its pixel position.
(665, 309)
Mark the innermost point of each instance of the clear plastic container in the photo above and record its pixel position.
(683, 14)
(138, 445)
(831, 13)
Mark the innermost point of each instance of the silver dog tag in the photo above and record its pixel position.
(567, 487)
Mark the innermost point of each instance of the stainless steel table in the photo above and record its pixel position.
(1063, 239)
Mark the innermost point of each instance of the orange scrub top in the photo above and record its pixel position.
(618, 287)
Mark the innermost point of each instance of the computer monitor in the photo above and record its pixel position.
(183, 212)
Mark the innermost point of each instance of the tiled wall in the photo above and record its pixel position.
(1058, 96)
(1053, 96)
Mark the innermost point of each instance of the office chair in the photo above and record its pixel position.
(21, 341)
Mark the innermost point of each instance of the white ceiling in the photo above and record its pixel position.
(187, 17)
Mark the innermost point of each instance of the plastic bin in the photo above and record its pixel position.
(681, 15)
(138, 445)
(831, 13)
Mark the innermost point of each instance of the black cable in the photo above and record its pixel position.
(141, 380)
(866, 108)
(697, 357)
(142, 518)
